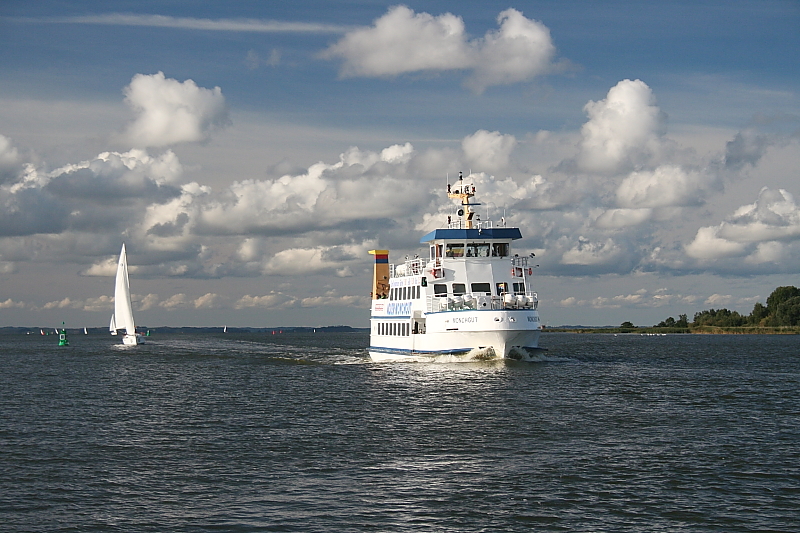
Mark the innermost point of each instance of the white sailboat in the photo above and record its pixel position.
(112, 327)
(123, 312)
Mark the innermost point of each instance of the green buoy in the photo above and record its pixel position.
(62, 336)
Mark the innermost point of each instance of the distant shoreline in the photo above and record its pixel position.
(11, 330)
(699, 330)
(641, 330)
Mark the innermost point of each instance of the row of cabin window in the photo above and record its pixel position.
(472, 249)
(399, 329)
(459, 289)
(404, 293)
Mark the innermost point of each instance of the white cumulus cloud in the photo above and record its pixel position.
(519, 50)
(402, 41)
(170, 112)
(757, 229)
(624, 130)
(665, 186)
(488, 151)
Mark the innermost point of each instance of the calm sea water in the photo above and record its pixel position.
(301, 432)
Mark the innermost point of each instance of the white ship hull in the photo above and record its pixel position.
(463, 336)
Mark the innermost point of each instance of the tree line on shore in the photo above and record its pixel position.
(782, 309)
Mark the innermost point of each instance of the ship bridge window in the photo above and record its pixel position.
(500, 249)
(475, 249)
(439, 289)
(459, 289)
(519, 288)
(436, 251)
(482, 288)
(455, 250)
(502, 288)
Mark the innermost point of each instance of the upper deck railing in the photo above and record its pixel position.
(458, 223)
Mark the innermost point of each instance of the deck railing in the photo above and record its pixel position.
(481, 301)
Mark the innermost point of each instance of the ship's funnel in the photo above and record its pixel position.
(380, 275)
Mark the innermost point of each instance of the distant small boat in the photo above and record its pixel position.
(112, 327)
(41, 331)
(225, 329)
(85, 332)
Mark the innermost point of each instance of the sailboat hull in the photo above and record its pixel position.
(132, 340)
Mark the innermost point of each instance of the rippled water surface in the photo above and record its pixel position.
(301, 432)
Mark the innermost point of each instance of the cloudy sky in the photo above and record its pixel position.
(249, 154)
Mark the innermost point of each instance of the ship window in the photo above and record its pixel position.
(483, 288)
(459, 289)
(403, 291)
(476, 249)
(417, 291)
(499, 249)
(455, 250)
(439, 289)
(502, 288)
(519, 288)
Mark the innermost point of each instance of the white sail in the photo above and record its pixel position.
(112, 327)
(123, 313)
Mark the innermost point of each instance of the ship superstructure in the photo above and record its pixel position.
(470, 298)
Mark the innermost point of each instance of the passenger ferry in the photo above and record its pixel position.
(470, 299)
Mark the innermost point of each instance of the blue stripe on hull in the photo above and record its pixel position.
(409, 352)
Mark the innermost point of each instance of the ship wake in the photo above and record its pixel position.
(475, 354)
